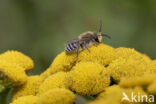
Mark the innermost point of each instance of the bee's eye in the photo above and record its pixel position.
(96, 39)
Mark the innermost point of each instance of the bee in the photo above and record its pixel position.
(85, 40)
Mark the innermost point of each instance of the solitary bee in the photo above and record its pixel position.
(85, 40)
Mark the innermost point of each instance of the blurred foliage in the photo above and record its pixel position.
(40, 28)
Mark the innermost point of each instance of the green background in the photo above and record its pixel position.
(39, 28)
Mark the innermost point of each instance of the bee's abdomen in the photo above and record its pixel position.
(70, 47)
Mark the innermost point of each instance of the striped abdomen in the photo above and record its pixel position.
(71, 46)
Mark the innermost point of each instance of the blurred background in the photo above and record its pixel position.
(39, 28)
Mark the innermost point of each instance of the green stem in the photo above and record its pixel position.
(2, 88)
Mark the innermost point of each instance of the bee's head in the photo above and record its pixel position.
(99, 35)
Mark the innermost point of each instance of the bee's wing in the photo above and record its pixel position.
(72, 41)
(79, 40)
(87, 39)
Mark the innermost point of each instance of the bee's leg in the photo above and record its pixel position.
(84, 45)
(86, 48)
(78, 45)
(96, 44)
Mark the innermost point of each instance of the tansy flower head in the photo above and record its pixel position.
(18, 58)
(57, 96)
(152, 88)
(115, 90)
(146, 82)
(130, 67)
(104, 101)
(116, 93)
(62, 62)
(11, 74)
(89, 78)
(57, 80)
(143, 81)
(29, 88)
(102, 54)
(130, 52)
(26, 100)
(152, 67)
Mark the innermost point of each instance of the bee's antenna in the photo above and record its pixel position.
(106, 36)
(100, 29)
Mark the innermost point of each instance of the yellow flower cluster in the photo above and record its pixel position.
(29, 88)
(57, 96)
(57, 80)
(134, 73)
(88, 78)
(30, 99)
(104, 72)
(18, 58)
(114, 95)
(13, 65)
(147, 82)
(53, 96)
(102, 54)
(13, 72)
(129, 64)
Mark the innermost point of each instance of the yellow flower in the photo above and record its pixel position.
(116, 93)
(130, 52)
(26, 100)
(57, 80)
(146, 82)
(152, 67)
(89, 78)
(152, 87)
(29, 88)
(18, 58)
(12, 73)
(102, 54)
(62, 62)
(109, 91)
(57, 96)
(130, 67)
(143, 81)
(104, 101)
